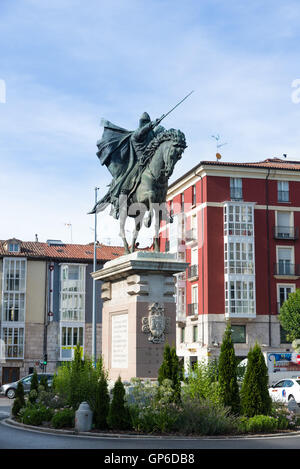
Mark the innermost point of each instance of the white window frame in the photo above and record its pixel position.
(13, 247)
(292, 258)
(281, 190)
(292, 286)
(73, 296)
(8, 262)
(291, 224)
(194, 288)
(237, 223)
(70, 346)
(13, 327)
(236, 188)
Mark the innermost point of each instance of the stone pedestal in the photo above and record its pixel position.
(139, 312)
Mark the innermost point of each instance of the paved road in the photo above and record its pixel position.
(18, 438)
(5, 405)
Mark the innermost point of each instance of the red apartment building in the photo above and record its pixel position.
(237, 224)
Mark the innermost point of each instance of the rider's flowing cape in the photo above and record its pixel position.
(115, 150)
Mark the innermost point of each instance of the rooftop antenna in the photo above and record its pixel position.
(218, 145)
(69, 225)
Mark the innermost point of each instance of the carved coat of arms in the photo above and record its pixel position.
(156, 324)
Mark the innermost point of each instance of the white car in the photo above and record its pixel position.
(285, 389)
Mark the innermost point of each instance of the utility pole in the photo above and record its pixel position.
(94, 329)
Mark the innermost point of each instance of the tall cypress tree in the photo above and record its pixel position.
(102, 401)
(165, 370)
(171, 369)
(255, 398)
(118, 415)
(229, 389)
(34, 385)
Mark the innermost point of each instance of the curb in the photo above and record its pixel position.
(13, 423)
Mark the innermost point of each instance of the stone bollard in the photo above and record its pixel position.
(83, 418)
(293, 407)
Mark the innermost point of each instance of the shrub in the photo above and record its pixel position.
(77, 381)
(285, 418)
(228, 385)
(202, 383)
(44, 383)
(17, 406)
(32, 397)
(258, 424)
(205, 417)
(255, 398)
(63, 418)
(35, 414)
(118, 415)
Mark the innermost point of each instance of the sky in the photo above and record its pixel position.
(65, 64)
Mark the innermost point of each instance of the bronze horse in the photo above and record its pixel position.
(149, 194)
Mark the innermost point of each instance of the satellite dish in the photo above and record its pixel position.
(218, 156)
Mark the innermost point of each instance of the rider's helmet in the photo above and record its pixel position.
(144, 119)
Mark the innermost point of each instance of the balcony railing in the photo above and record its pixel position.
(285, 232)
(287, 269)
(192, 271)
(193, 309)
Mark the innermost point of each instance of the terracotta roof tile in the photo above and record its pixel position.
(83, 252)
(275, 163)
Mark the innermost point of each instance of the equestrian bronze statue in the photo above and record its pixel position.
(141, 163)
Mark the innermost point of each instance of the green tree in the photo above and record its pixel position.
(228, 385)
(102, 399)
(20, 393)
(19, 401)
(165, 370)
(289, 316)
(255, 398)
(172, 370)
(118, 415)
(34, 385)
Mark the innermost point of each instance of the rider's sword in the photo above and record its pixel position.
(165, 115)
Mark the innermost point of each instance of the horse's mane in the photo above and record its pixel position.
(176, 136)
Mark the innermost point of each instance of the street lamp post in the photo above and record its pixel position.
(94, 330)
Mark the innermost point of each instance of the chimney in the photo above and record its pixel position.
(36, 238)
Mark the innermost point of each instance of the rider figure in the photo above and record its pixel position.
(143, 135)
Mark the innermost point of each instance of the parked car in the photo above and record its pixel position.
(9, 389)
(285, 389)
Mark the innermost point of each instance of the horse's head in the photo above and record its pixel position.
(173, 152)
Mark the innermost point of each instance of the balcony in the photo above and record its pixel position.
(192, 309)
(191, 235)
(285, 232)
(287, 270)
(180, 315)
(193, 272)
